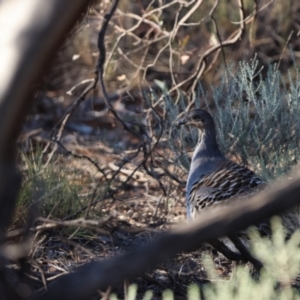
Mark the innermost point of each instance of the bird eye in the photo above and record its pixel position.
(196, 117)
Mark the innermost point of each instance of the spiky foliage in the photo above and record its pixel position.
(277, 280)
(46, 191)
(256, 114)
(257, 118)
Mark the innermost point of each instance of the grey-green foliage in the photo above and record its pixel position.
(256, 115)
(281, 260)
(171, 111)
(48, 189)
(257, 118)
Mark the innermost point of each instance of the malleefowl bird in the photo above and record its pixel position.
(214, 179)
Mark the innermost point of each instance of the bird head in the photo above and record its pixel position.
(198, 118)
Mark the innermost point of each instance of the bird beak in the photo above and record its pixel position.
(180, 122)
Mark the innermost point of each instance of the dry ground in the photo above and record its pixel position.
(107, 221)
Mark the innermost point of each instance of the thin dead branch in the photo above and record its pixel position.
(81, 223)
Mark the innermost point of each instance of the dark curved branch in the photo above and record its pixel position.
(31, 33)
(99, 275)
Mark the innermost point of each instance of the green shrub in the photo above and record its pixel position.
(257, 119)
(46, 191)
(281, 260)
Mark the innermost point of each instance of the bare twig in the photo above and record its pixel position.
(76, 245)
(80, 156)
(234, 37)
(37, 265)
(65, 119)
(283, 50)
(211, 14)
(81, 222)
(100, 68)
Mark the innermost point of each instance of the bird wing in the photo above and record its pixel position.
(227, 181)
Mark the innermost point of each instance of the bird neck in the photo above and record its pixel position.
(205, 157)
(207, 147)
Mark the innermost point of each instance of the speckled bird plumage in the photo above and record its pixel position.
(214, 179)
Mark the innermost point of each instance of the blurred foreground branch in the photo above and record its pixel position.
(99, 275)
(31, 32)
